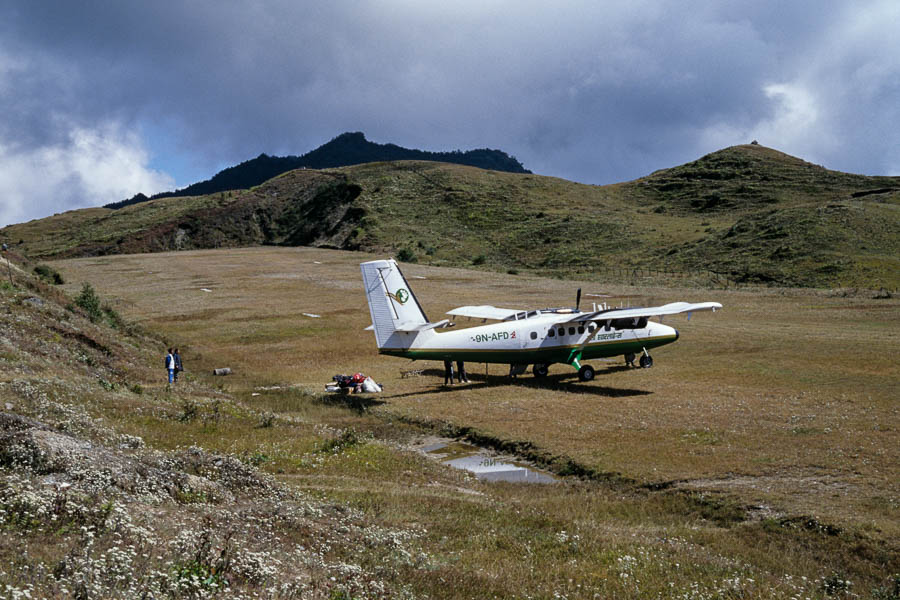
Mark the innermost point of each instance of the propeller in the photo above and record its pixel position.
(578, 299)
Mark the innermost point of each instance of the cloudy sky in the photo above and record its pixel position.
(101, 100)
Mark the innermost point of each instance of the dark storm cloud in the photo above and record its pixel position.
(595, 92)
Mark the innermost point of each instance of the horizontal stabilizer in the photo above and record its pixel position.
(415, 326)
(483, 312)
(421, 326)
(672, 308)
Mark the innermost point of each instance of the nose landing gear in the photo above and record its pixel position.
(646, 360)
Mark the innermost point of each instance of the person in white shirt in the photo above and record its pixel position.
(170, 366)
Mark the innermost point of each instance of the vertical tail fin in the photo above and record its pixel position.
(392, 303)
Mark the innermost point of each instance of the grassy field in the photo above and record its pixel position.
(758, 458)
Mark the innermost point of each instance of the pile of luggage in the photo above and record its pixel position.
(353, 384)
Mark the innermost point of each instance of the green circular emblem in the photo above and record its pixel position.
(402, 296)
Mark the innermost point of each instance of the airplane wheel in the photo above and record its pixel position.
(646, 362)
(540, 370)
(586, 373)
(629, 359)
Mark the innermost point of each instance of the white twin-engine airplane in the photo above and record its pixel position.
(521, 338)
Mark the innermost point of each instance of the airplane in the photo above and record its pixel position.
(535, 337)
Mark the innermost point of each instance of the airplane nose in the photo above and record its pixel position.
(676, 335)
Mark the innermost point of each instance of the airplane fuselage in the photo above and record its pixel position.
(544, 339)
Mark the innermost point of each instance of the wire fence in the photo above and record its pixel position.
(667, 277)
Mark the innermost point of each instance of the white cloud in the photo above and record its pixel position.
(797, 124)
(91, 168)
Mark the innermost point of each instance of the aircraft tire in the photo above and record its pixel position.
(646, 362)
(586, 373)
(540, 370)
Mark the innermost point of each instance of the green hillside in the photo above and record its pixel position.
(745, 214)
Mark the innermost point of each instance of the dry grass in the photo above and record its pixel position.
(785, 400)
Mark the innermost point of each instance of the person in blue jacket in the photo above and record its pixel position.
(178, 367)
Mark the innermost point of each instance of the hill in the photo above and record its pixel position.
(745, 214)
(346, 149)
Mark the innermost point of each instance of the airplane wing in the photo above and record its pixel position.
(483, 312)
(673, 308)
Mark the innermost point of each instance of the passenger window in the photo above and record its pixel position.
(581, 329)
(534, 335)
(571, 331)
(551, 333)
(562, 331)
(592, 328)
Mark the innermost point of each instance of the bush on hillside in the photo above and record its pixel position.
(89, 302)
(407, 255)
(49, 274)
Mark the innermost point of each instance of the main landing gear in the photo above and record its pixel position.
(586, 373)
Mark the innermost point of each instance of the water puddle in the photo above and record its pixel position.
(489, 468)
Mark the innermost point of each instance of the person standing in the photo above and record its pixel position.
(170, 366)
(178, 367)
(448, 372)
(461, 372)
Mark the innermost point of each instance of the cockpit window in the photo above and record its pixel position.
(638, 323)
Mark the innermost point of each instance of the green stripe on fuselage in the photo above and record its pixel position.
(553, 354)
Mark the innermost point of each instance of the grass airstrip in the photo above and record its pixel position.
(759, 457)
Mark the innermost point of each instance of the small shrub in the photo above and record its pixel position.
(190, 497)
(189, 411)
(107, 385)
(112, 317)
(267, 420)
(407, 255)
(136, 389)
(335, 445)
(256, 459)
(479, 260)
(89, 302)
(891, 591)
(49, 274)
(212, 416)
(836, 584)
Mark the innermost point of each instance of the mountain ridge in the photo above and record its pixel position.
(349, 148)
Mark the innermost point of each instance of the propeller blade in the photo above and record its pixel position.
(578, 299)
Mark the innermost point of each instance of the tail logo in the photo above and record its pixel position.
(400, 296)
